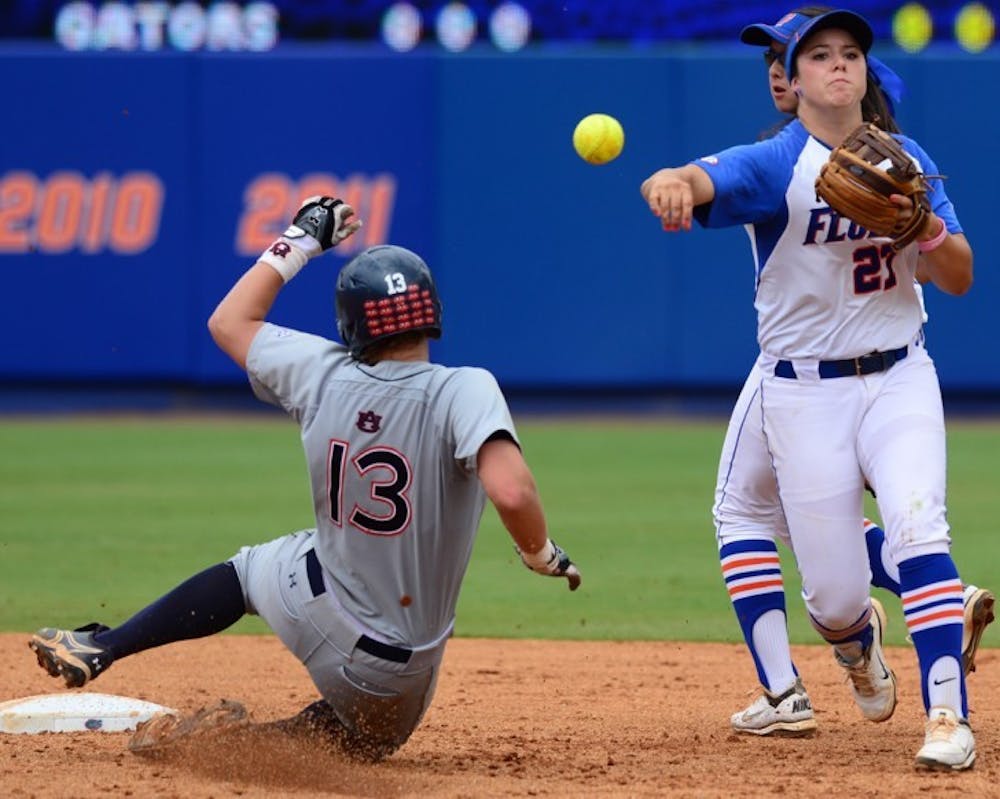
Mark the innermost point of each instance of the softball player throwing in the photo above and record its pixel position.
(402, 455)
(746, 511)
(847, 391)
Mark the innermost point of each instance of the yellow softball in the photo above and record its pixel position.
(598, 138)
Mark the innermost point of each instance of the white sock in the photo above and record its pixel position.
(944, 684)
(770, 643)
(849, 652)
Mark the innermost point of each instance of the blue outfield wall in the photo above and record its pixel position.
(134, 189)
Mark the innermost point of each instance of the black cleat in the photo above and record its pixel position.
(73, 655)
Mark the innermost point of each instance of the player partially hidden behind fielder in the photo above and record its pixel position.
(402, 454)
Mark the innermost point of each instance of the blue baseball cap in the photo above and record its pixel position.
(781, 31)
(842, 19)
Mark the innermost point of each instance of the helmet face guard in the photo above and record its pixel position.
(383, 292)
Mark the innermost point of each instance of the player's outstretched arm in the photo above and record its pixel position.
(509, 484)
(673, 193)
(321, 223)
(242, 311)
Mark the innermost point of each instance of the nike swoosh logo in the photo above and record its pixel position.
(942, 682)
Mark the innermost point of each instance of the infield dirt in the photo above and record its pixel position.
(511, 718)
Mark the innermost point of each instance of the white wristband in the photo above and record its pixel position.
(542, 558)
(287, 257)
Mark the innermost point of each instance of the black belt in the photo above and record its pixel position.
(852, 367)
(396, 654)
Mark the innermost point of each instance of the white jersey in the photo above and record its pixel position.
(810, 303)
(392, 454)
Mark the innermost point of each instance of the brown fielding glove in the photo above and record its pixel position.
(861, 174)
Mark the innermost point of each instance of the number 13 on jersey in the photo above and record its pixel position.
(386, 509)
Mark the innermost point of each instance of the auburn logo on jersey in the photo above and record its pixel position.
(369, 422)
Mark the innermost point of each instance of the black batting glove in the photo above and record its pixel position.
(326, 220)
(320, 224)
(552, 560)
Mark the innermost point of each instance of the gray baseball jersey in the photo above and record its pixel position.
(392, 452)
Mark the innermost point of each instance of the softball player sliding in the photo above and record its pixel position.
(746, 508)
(402, 456)
(846, 390)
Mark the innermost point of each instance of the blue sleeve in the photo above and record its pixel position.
(940, 203)
(750, 182)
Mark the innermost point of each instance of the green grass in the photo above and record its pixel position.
(99, 516)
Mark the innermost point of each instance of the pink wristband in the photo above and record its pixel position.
(933, 244)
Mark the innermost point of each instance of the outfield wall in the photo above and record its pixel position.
(135, 188)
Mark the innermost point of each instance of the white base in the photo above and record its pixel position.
(82, 712)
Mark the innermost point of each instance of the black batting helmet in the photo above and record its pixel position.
(384, 291)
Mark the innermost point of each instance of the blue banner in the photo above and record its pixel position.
(134, 196)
